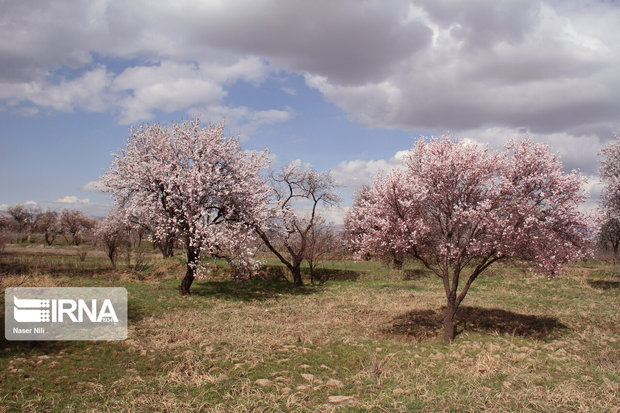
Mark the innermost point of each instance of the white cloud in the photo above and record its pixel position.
(88, 92)
(289, 90)
(72, 199)
(593, 188)
(168, 87)
(4, 207)
(354, 174)
(93, 186)
(507, 65)
(576, 151)
(242, 120)
(551, 67)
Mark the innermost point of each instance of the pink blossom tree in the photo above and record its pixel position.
(113, 230)
(24, 220)
(458, 208)
(76, 224)
(48, 223)
(355, 223)
(195, 182)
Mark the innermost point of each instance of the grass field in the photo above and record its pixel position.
(367, 339)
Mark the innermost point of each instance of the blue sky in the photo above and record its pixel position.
(344, 86)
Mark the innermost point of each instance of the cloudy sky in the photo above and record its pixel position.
(343, 85)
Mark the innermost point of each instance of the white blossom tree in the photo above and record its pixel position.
(610, 175)
(113, 230)
(609, 213)
(197, 183)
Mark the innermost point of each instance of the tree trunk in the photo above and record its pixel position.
(311, 265)
(111, 254)
(398, 260)
(49, 239)
(167, 247)
(187, 281)
(296, 270)
(449, 329)
(192, 260)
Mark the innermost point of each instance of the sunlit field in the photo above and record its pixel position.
(363, 338)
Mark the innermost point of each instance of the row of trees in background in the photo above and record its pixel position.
(24, 222)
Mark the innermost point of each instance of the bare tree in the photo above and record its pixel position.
(321, 242)
(287, 233)
(48, 223)
(75, 223)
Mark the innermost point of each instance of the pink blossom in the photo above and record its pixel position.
(458, 207)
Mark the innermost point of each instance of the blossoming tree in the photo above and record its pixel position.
(458, 208)
(197, 183)
(609, 217)
(113, 231)
(610, 175)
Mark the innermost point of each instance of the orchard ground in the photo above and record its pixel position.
(366, 338)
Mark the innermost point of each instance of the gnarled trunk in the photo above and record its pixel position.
(296, 271)
(193, 256)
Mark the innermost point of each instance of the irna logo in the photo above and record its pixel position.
(33, 310)
(65, 313)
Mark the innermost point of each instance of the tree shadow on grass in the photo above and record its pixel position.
(332, 274)
(604, 284)
(250, 290)
(423, 324)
